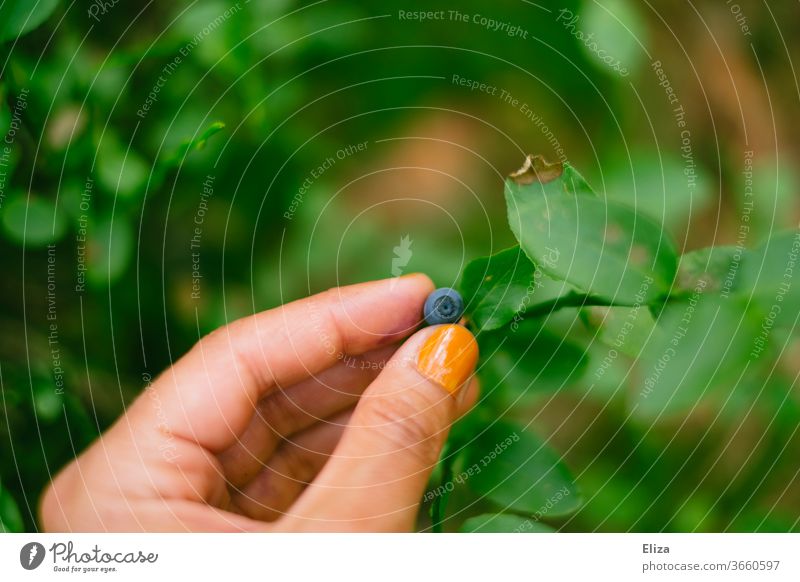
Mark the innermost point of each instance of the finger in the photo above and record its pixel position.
(295, 464)
(210, 395)
(274, 489)
(378, 472)
(285, 412)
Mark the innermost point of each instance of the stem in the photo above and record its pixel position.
(572, 299)
(575, 299)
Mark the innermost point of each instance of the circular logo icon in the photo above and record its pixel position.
(31, 555)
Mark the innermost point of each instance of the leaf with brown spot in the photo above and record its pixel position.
(602, 247)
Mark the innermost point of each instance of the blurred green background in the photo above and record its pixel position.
(132, 222)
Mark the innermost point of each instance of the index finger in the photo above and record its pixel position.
(210, 394)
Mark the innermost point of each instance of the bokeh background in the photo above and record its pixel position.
(170, 167)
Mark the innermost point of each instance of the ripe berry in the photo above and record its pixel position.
(443, 306)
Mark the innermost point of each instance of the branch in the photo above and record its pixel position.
(572, 299)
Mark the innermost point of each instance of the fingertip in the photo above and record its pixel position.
(448, 357)
(413, 288)
(421, 278)
(381, 312)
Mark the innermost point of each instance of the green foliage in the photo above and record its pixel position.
(602, 247)
(20, 16)
(626, 329)
(48, 403)
(5, 115)
(529, 358)
(193, 144)
(520, 472)
(617, 29)
(655, 183)
(712, 269)
(120, 170)
(110, 250)
(771, 196)
(691, 325)
(503, 523)
(32, 221)
(768, 277)
(10, 516)
(498, 286)
(700, 345)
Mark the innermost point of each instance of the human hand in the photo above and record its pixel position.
(304, 417)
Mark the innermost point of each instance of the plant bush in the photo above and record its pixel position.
(692, 324)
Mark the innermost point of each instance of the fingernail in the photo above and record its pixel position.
(448, 357)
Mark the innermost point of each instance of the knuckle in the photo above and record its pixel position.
(239, 342)
(333, 334)
(412, 420)
(301, 466)
(278, 412)
(226, 335)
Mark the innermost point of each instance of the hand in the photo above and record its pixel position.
(304, 417)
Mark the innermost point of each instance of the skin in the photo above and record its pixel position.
(313, 416)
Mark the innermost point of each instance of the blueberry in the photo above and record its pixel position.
(443, 306)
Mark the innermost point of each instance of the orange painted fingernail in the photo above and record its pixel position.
(448, 357)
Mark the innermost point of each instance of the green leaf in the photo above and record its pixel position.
(538, 175)
(18, 17)
(655, 184)
(503, 523)
(176, 158)
(194, 144)
(602, 247)
(771, 192)
(121, 171)
(503, 288)
(109, 80)
(529, 359)
(619, 501)
(711, 270)
(616, 28)
(769, 274)
(110, 249)
(702, 345)
(494, 288)
(10, 516)
(208, 52)
(519, 472)
(211, 130)
(625, 329)
(5, 115)
(33, 221)
(608, 375)
(49, 404)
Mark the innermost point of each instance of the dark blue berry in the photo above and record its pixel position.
(443, 306)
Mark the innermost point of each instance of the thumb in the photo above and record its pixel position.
(378, 472)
